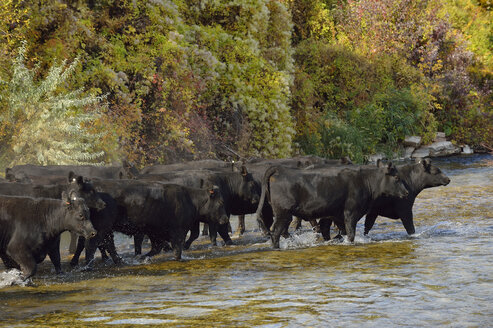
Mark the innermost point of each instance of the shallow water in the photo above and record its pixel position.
(442, 276)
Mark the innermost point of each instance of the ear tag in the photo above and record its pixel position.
(68, 203)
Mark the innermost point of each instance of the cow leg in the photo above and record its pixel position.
(241, 225)
(266, 220)
(138, 239)
(223, 232)
(102, 251)
(54, 254)
(205, 229)
(407, 221)
(325, 224)
(177, 246)
(213, 233)
(80, 246)
(91, 247)
(280, 225)
(8, 262)
(285, 232)
(73, 243)
(109, 245)
(341, 227)
(350, 221)
(194, 234)
(24, 258)
(156, 246)
(296, 223)
(370, 221)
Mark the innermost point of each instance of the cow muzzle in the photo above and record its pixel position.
(223, 219)
(88, 230)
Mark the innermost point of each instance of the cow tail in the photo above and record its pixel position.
(265, 188)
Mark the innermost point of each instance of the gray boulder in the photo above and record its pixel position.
(421, 152)
(412, 141)
(443, 148)
(408, 152)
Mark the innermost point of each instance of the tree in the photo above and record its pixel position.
(42, 123)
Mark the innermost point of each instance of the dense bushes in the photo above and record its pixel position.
(186, 79)
(349, 105)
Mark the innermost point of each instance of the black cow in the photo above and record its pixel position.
(164, 212)
(76, 187)
(415, 177)
(191, 165)
(259, 166)
(50, 173)
(345, 194)
(103, 221)
(239, 190)
(30, 228)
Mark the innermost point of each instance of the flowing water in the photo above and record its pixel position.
(442, 276)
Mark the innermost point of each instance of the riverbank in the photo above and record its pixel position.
(440, 147)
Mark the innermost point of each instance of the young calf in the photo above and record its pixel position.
(30, 228)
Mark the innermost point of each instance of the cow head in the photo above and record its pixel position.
(390, 183)
(77, 215)
(250, 189)
(83, 188)
(430, 175)
(214, 208)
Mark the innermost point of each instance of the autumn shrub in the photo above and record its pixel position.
(44, 125)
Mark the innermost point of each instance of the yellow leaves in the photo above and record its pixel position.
(437, 66)
(12, 16)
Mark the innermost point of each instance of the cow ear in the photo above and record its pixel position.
(72, 177)
(80, 180)
(390, 169)
(426, 163)
(380, 163)
(202, 182)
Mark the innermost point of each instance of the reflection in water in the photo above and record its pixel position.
(441, 276)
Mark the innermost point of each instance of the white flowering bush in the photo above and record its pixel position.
(41, 123)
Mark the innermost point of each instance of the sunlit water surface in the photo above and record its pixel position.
(442, 276)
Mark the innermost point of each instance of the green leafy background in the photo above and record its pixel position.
(161, 81)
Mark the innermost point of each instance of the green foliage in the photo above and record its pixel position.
(370, 105)
(43, 125)
(187, 79)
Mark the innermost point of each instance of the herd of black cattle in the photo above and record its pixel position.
(166, 202)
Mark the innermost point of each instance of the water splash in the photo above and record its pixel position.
(301, 239)
(13, 277)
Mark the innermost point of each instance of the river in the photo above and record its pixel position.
(442, 276)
